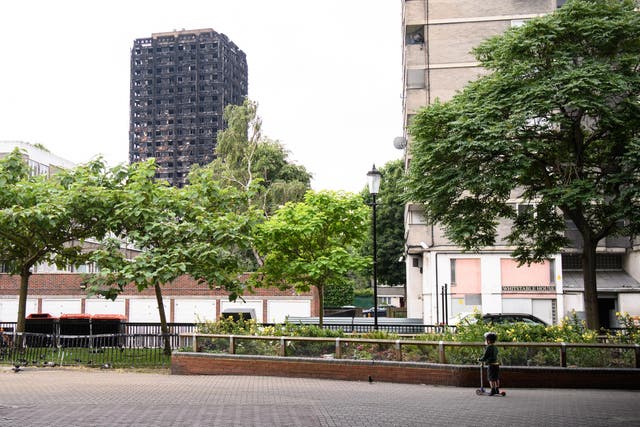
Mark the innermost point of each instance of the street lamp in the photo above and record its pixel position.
(374, 177)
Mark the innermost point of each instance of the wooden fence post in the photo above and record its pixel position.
(398, 351)
(283, 347)
(338, 352)
(563, 354)
(232, 345)
(443, 358)
(195, 343)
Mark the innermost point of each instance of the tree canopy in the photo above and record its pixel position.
(193, 230)
(311, 243)
(46, 219)
(556, 124)
(247, 160)
(390, 225)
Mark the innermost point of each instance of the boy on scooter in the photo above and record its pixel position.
(490, 358)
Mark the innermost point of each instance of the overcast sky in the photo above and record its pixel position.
(327, 75)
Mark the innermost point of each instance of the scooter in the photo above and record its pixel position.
(482, 392)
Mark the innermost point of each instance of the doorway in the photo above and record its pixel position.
(607, 312)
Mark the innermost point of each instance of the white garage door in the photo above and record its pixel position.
(9, 309)
(279, 310)
(104, 306)
(145, 310)
(56, 307)
(194, 310)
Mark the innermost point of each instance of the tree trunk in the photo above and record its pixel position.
(590, 285)
(22, 304)
(321, 301)
(163, 321)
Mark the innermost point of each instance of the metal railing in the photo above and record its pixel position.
(106, 350)
(512, 354)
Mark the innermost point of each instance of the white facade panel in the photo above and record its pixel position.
(9, 309)
(516, 305)
(56, 307)
(629, 303)
(277, 310)
(194, 310)
(543, 309)
(573, 302)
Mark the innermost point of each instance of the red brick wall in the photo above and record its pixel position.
(400, 372)
(68, 284)
(44, 285)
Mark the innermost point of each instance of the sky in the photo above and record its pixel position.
(327, 75)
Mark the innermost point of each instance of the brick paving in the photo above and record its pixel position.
(83, 397)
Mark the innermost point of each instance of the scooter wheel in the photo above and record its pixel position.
(479, 392)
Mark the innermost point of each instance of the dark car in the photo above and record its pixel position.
(382, 312)
(512, 318)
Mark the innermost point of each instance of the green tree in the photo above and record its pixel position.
(390, 225)
(311, 243)
(556, 124)
(248, 160)
(339, 294)
(46, 219)
(193, 230)
(257, 166)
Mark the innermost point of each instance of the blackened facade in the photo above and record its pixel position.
(181, 82)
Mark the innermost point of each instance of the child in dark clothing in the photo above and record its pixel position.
(490, 358)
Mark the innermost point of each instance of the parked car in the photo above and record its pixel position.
(382, 312)
(503, 318)
(512, 318)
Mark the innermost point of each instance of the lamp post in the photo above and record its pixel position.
(374, 177)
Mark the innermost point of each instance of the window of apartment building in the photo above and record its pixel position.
(604, 262)
(453, 271)
(414, 34)
(415, 79)
(416, 217)
(525, 208)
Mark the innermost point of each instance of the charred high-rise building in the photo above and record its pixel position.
(181, 82)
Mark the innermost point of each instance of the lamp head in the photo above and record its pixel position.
(374, 177)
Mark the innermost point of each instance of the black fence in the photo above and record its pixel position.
(65, 343)
(402, 329)
(104, 351)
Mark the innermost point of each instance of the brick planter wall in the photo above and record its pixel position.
(400, 372)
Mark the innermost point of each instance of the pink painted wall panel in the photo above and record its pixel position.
(467, 276)
(533, 275)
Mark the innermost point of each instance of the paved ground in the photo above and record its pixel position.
(74, 397)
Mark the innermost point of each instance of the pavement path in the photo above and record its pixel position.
(92, 397)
